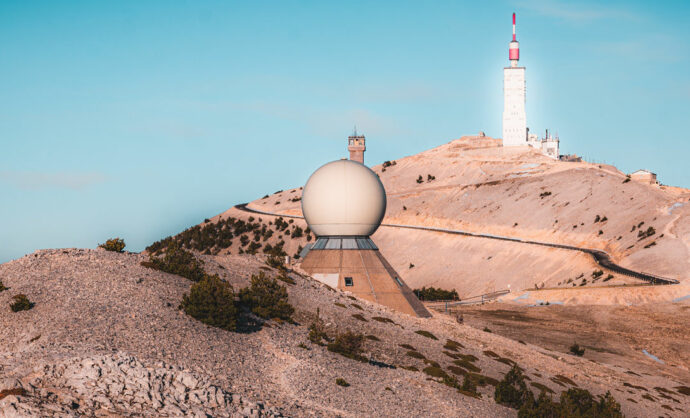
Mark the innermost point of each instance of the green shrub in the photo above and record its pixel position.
(544, 194)
(341, 382)
(349, 345)
(416, 354)
(435, 371)
(452, 345)
(113, 244)
(178, 261)
(577, 350)
(469, 385)
(512, 390)
(383, 319)
(433, 294)
(21, 303)
(286, 279)
(2, 287)
(573, 403)
(212, 301)
(420, 179)
(426, 334)
(317, 331)
(266, 298)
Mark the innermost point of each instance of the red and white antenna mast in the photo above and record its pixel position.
(514, 50)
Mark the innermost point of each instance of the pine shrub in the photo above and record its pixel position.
(114, 244)
(349, 345)
(212, 301)
(178, 261)
(577, 350)
(21, 303)
(512, 390)
(266, 298)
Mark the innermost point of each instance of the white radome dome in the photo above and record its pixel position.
(344, 197)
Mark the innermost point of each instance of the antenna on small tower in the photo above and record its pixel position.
(514, 49)
(355, 131)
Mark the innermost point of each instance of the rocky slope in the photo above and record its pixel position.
(106, 337)
(472, 185)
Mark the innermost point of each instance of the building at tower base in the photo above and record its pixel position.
(515, 130)
(355, 264)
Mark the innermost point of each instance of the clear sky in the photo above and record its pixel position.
(140, 118)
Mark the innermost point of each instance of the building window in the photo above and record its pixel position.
(348, 281)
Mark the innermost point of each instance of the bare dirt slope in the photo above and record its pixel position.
(106, 337)
(472, 185)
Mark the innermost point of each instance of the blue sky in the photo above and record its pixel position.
(139, 119)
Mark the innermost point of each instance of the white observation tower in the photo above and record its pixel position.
(514, 118)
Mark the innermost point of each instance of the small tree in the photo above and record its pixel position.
(21, 303)
(420, 179)
(266, 298)
(512, 390)
(113, 244)
(212, 301)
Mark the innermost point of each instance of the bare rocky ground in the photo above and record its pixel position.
(106, 338)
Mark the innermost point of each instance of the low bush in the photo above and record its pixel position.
(420, 179)
(360, 317)
(416, 354)
(577, 350)
(572, 403)
(426, 334)
(266, 298)
(275, 261)
(434, 294)
(512, 390)
(645, 234)
(113, 244)
(2, 287)
(349, 345)
(469, 385)
(178, 261)
(383, 319)
(317, 331)
(434, 371)
(544, 194)
(452, 345)
(341, 382)
(212, 301)
(21, 303)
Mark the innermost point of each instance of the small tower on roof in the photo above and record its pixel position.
(356, 144)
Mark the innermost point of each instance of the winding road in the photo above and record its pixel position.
(600, 257)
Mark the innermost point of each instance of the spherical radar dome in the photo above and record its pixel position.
(344, 198)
